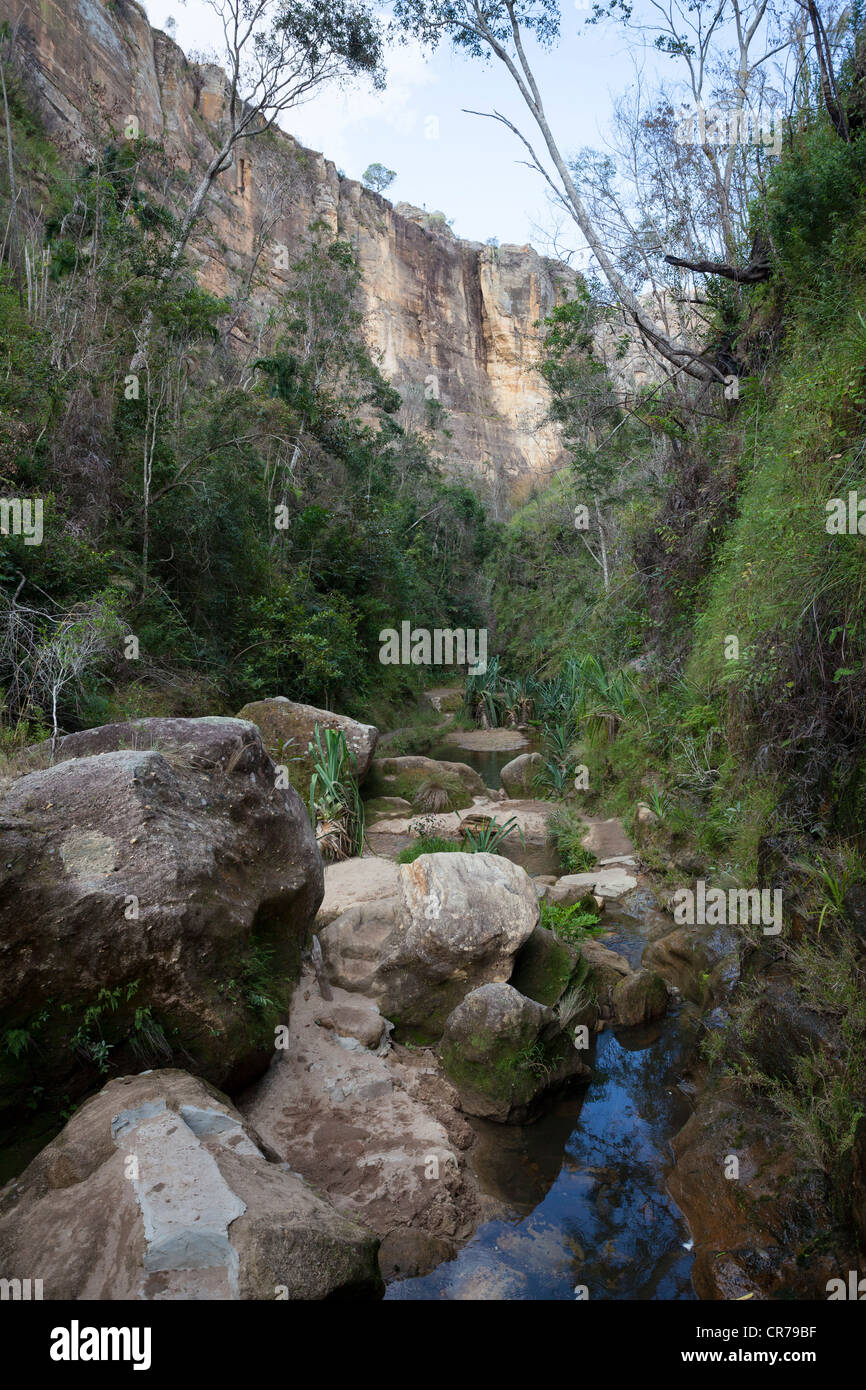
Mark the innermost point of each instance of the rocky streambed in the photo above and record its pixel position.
(453, 1102)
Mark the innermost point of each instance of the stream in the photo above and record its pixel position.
(583, 1189)
(582, 1206)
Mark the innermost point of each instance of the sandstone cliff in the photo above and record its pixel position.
(449, 318)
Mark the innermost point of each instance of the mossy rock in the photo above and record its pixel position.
(287, 728)
(406, 777)
(505, 1053)
(545, 967)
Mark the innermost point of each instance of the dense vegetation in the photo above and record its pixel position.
(701, 647)
(253, 524)
(672, 613)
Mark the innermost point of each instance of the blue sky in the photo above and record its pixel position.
(463, 165)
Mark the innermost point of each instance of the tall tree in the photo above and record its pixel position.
(501, 28)
(276, 53)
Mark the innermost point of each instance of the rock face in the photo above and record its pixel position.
(517, 775)
(504, 1052)
(155, 867)
(287, 728)
(377, 1130)
(545, 967)
(458, 923)
(702, 961)
(608, 967)
(157, 1189)
(452, 317)
(754, 1233)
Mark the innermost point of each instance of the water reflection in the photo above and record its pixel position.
(583, 1188)
(487, 762)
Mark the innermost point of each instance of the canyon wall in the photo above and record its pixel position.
(450, 319)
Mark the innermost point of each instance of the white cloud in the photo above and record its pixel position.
(330, 120)
(327, 121)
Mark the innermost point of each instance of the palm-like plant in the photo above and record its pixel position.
(559, 761)
(607, 699)
(484, 696)
(336, 809)
(520, 699)
(489, 838)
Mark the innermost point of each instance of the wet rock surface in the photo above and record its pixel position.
(769, 1231)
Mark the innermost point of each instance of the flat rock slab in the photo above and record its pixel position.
(531, 817)
(355, 881)
(607, 840)
(606, 883)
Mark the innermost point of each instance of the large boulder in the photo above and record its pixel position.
(640, 997)
(359, 942)
(376, 1129)
(517, 776)
(505, 1052)
(287, 729)
(458, 922)
(156, 889)
(355, 881)
(157, 1189)
(428, 784)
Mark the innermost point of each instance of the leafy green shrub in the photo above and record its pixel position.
(574, 923)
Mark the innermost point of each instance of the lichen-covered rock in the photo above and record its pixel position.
(640, 997)
(158, 876)
(287, 729)
(158, 1189)
(458, 922)
(517, 776)
(505, 1052)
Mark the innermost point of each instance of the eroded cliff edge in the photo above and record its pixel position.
(450, 318)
